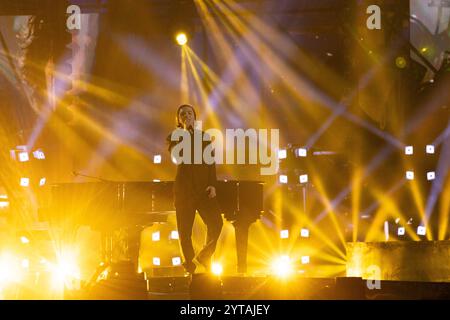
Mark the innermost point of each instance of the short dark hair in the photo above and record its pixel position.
(177, 118)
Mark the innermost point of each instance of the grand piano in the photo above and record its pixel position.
(109, 205)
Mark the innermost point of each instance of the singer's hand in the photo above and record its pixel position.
(211, 191)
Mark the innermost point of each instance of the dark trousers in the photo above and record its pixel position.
(210, 214)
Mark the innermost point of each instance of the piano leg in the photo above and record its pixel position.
(241, 233)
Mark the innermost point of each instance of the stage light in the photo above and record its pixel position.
(282, 154)
(24, 182)
(39, 154)
(4, 203)
(23, 156)
(303, 178)
(431, 175)
(304, 233)
(24, 240)
(283, 179)
(300, 152)
(421, 230)
(42, 182)
(176, 261)
(156, 261)
(429, 149)
(157, 158)
(156, 236)
(409, 150)
(282, 266)
(65, 270)
(401, 231)
(174, 235)
(284, 234)
(400, 62)
(409, 175)
(216, 268)
(305, 259)
(156, 180)
(181, 38)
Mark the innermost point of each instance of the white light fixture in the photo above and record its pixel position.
(23, 156)
(156, 180)
(421, 230)
(156, 236)
(282, 154)
(176, 261)
(429, 149)
(24, 182)
(409, 150)
(42, 182)
(304, 233)
(157, 158)
(284, 234)
(409, 175)
(303, 178)
(401, 231)
(156, 261)
(283, 179)
(301, 152)
(431, 175)
(174, 235)
(305, 259)
(24, 240)
(39, 154)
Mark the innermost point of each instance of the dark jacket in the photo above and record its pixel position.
(192, 179)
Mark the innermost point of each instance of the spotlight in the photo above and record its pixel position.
(300, 152)
(65, 270)
(42, 182)
(156, 236)
(176, 261)
(284, 234)
(431, 175)
(39, 154)
(409, 150)
(409, 175)
(216, 268)
(401, 231)
(283, 179)
(181, 38)
(304, 233)
(429, 149)
(23, 156)
(4, 203)
(303, 178)
(157, 158)
(156, 261)
(174, 235)
(24, 182)
(282, 266)
(282, 154)
(400, 62)
(305, 259)
(156, 180)
(421, 230)
(24, 240)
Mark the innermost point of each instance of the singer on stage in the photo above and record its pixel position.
(195, 190)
